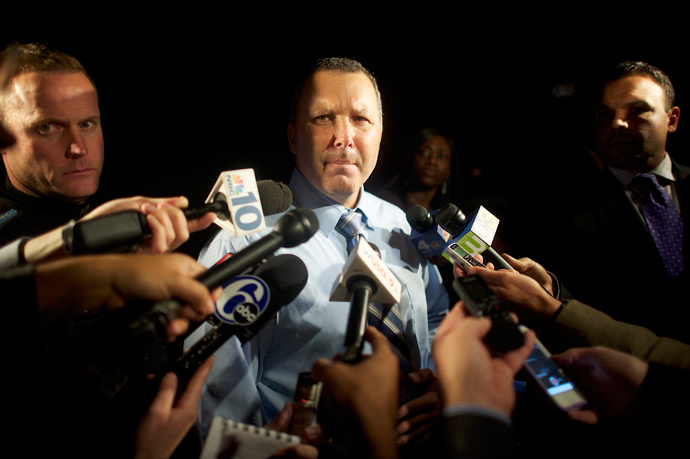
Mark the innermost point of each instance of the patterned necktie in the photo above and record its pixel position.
(385, 318)
(664, 221)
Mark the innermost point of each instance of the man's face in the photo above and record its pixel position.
(59, 143)
(632, 122)
(337, 133)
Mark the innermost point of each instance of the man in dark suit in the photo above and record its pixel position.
(601, 245)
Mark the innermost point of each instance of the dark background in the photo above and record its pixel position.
(179, 107)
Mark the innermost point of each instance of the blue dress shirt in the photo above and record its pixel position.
(251, 383)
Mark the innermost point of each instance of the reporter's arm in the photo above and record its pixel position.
(478, 392)
(70, 286)
(467, 372)
(363, 398)
(164, 217)
(168, 226)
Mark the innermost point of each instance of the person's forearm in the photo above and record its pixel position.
(71, 285)
(46, 246)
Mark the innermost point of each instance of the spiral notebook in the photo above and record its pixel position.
(232, 439)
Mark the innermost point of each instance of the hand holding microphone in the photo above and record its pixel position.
(129, 343)
(165, 223)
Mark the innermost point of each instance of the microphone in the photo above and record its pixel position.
(119, 378)
(292, 229)
(429, 238)
(363, 279)
(248, 303)
(122, 230)
(275, 198)
(474, 234)
(134, 335)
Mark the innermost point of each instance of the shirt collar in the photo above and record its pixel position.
(328, 211)
(663, 169)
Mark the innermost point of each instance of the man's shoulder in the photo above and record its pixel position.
(680, 170)
(15, 219)
(386, 212)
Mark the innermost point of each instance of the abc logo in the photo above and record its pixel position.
(243, 300)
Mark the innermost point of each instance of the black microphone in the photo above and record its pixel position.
(292, 229)
(135, 334)
(474, 233)
(275, 198)
(419, 218)
(117, 381)
(285, 275)
(122, 230)
(429, 237)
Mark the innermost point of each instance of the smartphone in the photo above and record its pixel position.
(480, 301)
(458, 255)
(551, 380)
(305, 404)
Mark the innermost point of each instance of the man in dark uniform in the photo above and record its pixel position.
(49, 105)
(52, 148)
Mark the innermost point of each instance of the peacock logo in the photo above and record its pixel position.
(235, 185)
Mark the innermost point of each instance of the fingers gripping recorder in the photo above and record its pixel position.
(480, 301)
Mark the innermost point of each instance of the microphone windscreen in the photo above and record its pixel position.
(297, 226)
(286, 276)
(419, 218)
(451, 219)
(275, 197)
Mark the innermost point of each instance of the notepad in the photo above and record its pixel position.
(237, 440)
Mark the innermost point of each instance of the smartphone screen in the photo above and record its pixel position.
(546, 373)
(551, 380)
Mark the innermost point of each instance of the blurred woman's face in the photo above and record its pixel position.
(432, 161)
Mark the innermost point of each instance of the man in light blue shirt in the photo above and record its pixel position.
(335, 133)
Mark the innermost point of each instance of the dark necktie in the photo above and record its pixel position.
(664, 222)
(386, 319)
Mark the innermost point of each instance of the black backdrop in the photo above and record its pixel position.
(178, 107)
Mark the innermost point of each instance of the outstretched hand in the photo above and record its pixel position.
(467, 371)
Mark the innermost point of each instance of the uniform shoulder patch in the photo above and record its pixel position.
(8, 216)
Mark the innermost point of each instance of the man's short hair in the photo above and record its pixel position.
(332, 64)
(34, 57)
(638, 68)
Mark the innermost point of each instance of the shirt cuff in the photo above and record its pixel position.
(12, 254)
